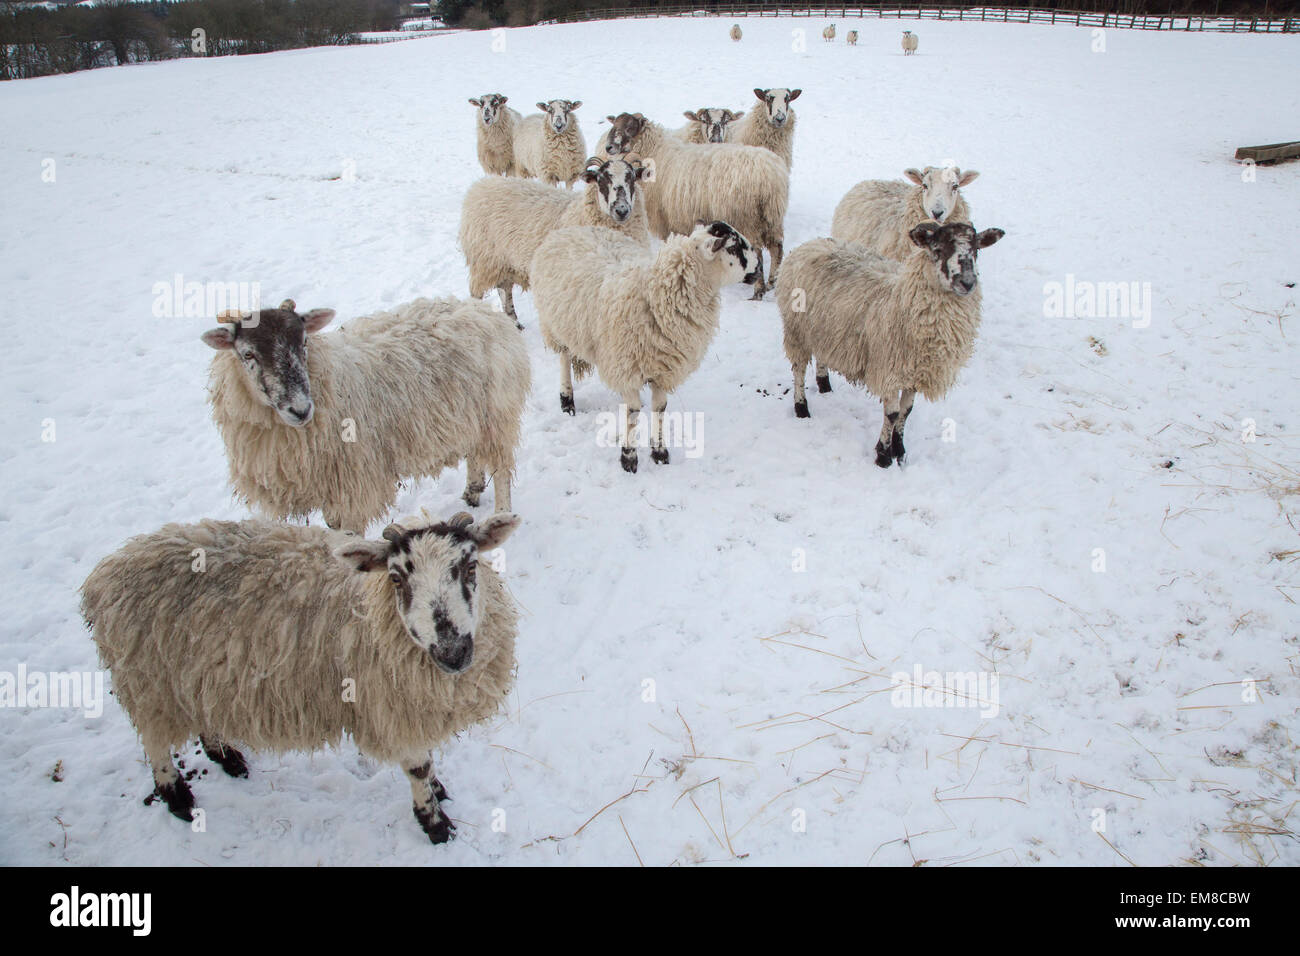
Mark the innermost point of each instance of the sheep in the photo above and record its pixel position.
(880, 213)
(285, 638)
(895, 327)
(396, 394)
(770, 124)
(496, 134)
(550, 147)
(503, 221)
(745, 186)
(909, 43)
(852, 38)
(829, 33)
(735, 32)
(708, 125)
(604, 300)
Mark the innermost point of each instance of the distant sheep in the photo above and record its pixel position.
(896, 327)
(880, 213)
(735, 32)
(496, 134)
(852, 38)
(770, 123)
(400, 394)
(829, 33)
(708, 125)
(549, 145)
(290, 638)
(503, 221)
(641, 319)
(745, 186)
(909, 42)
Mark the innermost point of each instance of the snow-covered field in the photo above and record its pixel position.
(707, 649)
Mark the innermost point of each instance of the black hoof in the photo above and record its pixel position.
(519, 325)
(179, 799)
(801, 409)
(896, 448)
(824, 384)
(230, 760)
(435, 823)
(628, 459)
(659, 456)
(439, 790)
(758, 294)
(470, 499)
(883, 457)
(566, 404)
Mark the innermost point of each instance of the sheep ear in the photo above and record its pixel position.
(691, 116)
(923, 234)
(491, 532)
(222, 337)
(914, 175)
(573, 106)
(736, 116)
(760, 94)
(542, 107)
(475, 102)
(612, 119)
(317, 319)
(501, 101)
(718, 244)
(968, 177)
(988, 237)
(794, 95)
(362, 555)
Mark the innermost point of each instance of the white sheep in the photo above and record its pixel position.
(909, 43)
(708, 125)
(735, 32)
(770, 123)
(503, 221)
(896, 327)
(852, 37)
(829, 33)
(880, 213)
(745, 186)
(549, 145)
(289, 638)
(605, 300)
(496, 134)
(400, 394)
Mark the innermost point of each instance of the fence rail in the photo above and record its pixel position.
(1194, 23)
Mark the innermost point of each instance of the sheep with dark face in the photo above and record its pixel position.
(828, 34)
(496, 134)
(549, 145)
(880, 213)
(291, 638)
(770, 123)
(334, 421)
(910, 42)
(707, 125)
(896, 327)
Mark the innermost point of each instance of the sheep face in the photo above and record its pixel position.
(953, 249)
(939, 188)
(271, 345)
(627, 127)
(559, 114)
(490, 107)
(433, 570)
(719, 242)
(777, 102)
(713, 122)
(616, 184)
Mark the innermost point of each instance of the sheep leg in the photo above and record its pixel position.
(168, 783)
(501, 489)
(223, 755)
(631, 409)
(823, 379)
(905, 409)
(800, 399)
(778, 253)
(508, 302)
(760, 287)
(424, 793)
(474, 481)
(884, 453)
(566, 383)
(658, 402)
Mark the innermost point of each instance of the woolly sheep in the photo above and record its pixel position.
(604, 300)
(503, 221)
(400, 394)
(852, 37)
(287, 639)
(496, 134)
(880, 213)
(829, 33)
(735, 32)
(549, 145)
(909, 43)
(745, 186)
(708, 125)
(770, 123)
(895, 327)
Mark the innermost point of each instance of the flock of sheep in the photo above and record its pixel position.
(828, 34)
(287, 637)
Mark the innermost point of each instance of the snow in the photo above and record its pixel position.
(669, 653)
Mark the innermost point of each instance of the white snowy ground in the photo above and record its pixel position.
(1120, 691)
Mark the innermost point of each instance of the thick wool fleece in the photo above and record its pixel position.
(639, 318)
(256, 647)
(754, 129)
(551, 157)
(881, 323)
(419, 389)
(879, 214)
(496, 144)
(503, 221)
